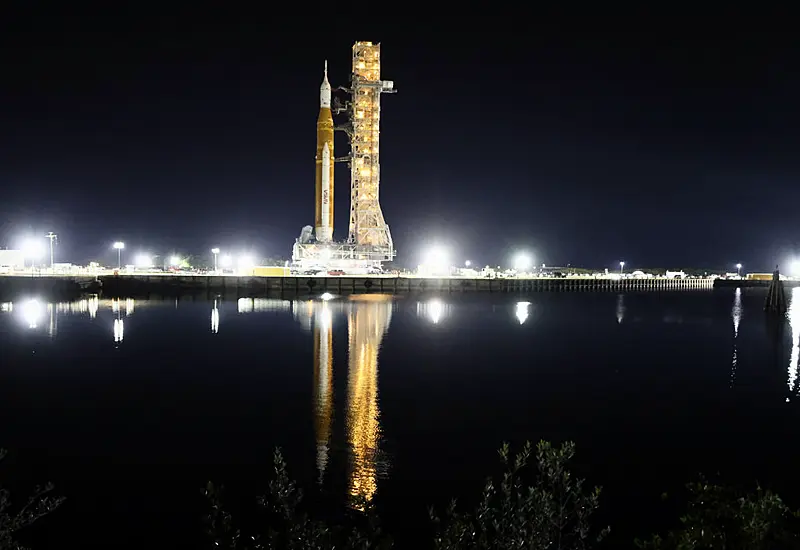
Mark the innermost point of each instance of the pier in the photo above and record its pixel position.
(144, 285)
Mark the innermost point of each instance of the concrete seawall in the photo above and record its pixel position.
(144, 285)
(139, 285)
(744, 283)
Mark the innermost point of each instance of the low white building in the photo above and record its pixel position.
(12, 259)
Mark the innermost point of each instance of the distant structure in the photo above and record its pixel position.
(776, 297)
(369, 241)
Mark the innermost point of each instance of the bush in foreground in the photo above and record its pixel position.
(13, 520)
(554, 512)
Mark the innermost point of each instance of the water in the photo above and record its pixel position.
(131, 406)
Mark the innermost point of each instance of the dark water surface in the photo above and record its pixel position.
(129, 407)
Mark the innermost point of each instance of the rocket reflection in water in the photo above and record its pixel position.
(323, 383)
(368, 320)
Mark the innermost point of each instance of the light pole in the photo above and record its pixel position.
(215, 252)
(467, 263)
(52, 236)
(621, 267)
(119, 245)
(739, 270)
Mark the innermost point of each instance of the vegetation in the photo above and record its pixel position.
(723, 518)
(14, 519)
(552, 512)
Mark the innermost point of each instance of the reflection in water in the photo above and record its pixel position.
(323, 383)
(215, 318)
(736, 315)
(522, 311)
(794, 323)
(250, 305)
(434, 309)
(32, 313)
(620, 308)
(367, 322)
(368, 319)
(119, 330)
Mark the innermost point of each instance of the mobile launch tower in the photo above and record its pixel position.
(369, 241)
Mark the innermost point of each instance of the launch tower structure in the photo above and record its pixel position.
(369, 241)
(367, 225)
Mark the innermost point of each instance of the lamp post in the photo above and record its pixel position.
(739, 270)
(215, 252)
(621, 267)
(119, 246)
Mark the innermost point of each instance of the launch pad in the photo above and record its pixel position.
(369, 242)
(349, 257)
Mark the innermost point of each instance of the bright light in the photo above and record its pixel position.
(738, 266)
(119, 245)
(245, 261)
(327, 296)
(215, 250)
(143, 260)
(33, 249)
(522, 262)
(436, 259)
(621, 266)
(467, 263)
(175, 261)
(32, 312)
(226, 261)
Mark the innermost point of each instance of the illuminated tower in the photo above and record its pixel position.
(367, 226)
(323, 215)
(368, 321)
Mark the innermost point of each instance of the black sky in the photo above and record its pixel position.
(664, 140)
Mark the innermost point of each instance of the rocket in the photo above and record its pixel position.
(323, 218)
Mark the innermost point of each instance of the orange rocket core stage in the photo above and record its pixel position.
(323, 215)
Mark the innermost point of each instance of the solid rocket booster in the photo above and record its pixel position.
(323, 218)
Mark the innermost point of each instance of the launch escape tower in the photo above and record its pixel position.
(369, 241)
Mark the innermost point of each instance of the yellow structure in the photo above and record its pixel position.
(367, 225)
(270, 271)
(323, 216)
(759, 276)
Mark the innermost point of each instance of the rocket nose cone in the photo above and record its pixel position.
(325, 89)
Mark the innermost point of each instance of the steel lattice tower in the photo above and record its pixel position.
(367, 225)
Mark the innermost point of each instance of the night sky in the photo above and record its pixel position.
(660, 140)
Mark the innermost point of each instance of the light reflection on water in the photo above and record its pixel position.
(736, 315)
(368, 319)
(794, 322)
(349, 427)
